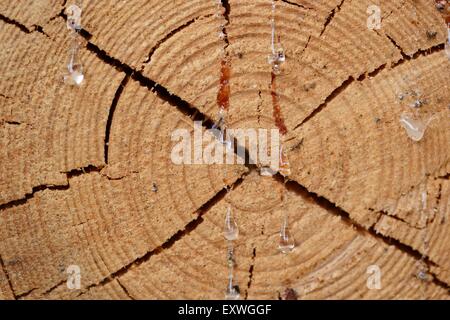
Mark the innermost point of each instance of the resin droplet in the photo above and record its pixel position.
(231, 231)
(232, 292)
(276, 59)
(231, 262)
(285, 167)
(415, 128)
(219, 129)
(423, 275)
(287, 242)
(73, 17)
(75, 76)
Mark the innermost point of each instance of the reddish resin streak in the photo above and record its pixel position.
(223, 96)
(277, 116)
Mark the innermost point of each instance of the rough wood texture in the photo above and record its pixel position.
(86, 176)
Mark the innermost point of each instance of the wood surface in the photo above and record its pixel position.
(87, 179)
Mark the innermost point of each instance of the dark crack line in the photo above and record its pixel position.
(401, 220)
(250, 273)
(328, 99)
(12, 123)
(226, 15)
(28, 196)
(445, 177)
(258, 107)
(84, 170)
(15, 23)
(125, 290)
(51, 289)
(171, 34)
(5, 271)
(415, 55)
(41, 188)
(298, 5)
(331, 16)
(26, 294)
(404, 55)
(112, 109)
(306, 45)
(23, 28)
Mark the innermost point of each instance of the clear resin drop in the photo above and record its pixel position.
(75, 75)
(285, 167)
(287, 242)
(232, 292)
(231, 262)
(219, 129)
(231, 231)
(415, 128)
(276, 59)
(74, 17)
(423, 275)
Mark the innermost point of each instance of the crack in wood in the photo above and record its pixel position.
(170, 35)
(298, 5)
(112, 109)
(328, 99)
(226, 15)
(195, 114)
(40, 188)
(331, 16)
(5, 272)
(15, 23)
(22, 27)
(125, 290)
(250, 273)
(28, 196)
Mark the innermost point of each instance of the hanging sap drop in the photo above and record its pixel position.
(75, 75)
(415, 128)
(232, 292)
(231, 231)
(74, 17)
(287, 242)
(285, 167)
(276, 59)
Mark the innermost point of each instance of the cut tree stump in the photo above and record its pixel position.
(87, 178)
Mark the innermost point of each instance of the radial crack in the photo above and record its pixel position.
(125, 290)
(28, 196)
(111, 114)
(328, 99)
(299, 5)
(170, 35)
(40, 188)
(331, 16)
(15, 23)
(23, 28)
(250, 273)
(5, 272)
